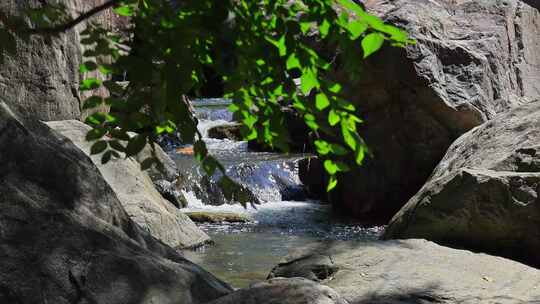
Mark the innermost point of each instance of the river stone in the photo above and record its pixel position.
(473, 59)
(136, 191)
(484, 193)
(283, 291)
(414, 271)
(65, 237)
(217, 217)
(42, 80)
(227, 131)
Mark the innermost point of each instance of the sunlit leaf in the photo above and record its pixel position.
(372, 43)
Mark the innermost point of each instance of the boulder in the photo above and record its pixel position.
(65, 238)
(228, 131)
(42, 80)
(283, 291)
(472, 60)
(412, 271)
(137, 194)
(484, 194)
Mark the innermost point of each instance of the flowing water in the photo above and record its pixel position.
(244, 253)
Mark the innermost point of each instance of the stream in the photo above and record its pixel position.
(244, 253)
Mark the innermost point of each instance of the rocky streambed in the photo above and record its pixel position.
(453, 124)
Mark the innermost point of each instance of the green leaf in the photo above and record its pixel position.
(279, 44)
(124, 10)
(372, 43)
(323, 148)
(357, 28)
(293, 62)
(335, 88)
(119, 134)
(92, 102)
(332, 183)
(135, 145)
(333, 117)
(200, 150)
(360, 154)
(308, 81)
(90, 84)
(96, 119)
(330, 167)
(338, 149)
(321, 101)
(88, 66)
(342, 167)
(324, 28)
(95, 134)
(347, 135)
(209, 165)
(98, 147)
(116, 145)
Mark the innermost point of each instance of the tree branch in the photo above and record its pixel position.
(71, 24)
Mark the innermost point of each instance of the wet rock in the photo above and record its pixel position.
(217, 217)
(65, 237)
(137, 194)
(413, 271)
(472, 60)
(229, 131)
(283, 291)
(484, 193)
(165, 176)
(170, 192)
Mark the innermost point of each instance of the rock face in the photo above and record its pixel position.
(485, 192)
(137, 194)
(472, 60)
(42, 80)
(65, 238)
(283, 291)
(413, 271)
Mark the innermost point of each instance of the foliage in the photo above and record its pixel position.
(265, 51)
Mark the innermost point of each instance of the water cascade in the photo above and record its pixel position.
(282, 219)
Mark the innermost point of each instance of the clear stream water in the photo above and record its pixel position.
(245, 253)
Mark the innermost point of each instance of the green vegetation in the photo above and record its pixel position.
(267, 53)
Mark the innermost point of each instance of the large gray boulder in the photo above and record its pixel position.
(137, 193)
(412, 272)
(283, 291)
(484, 194)
(65, 238)
(472, 60)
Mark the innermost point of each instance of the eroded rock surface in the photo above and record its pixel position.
(412, 271)
(137, 194)
(65, 238)
(484, 194)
